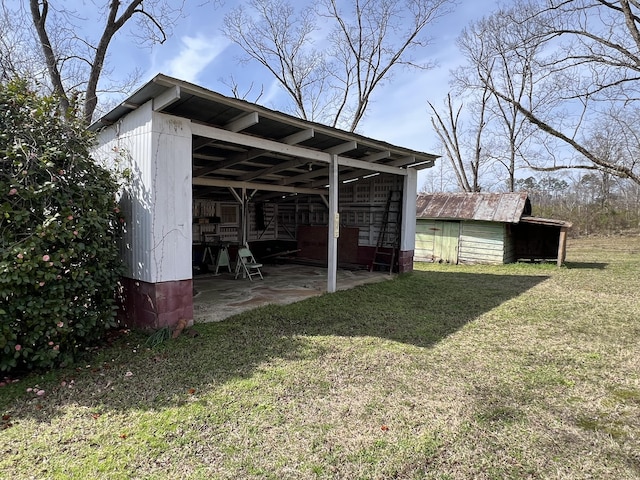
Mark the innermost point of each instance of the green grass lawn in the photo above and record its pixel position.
(451, 372)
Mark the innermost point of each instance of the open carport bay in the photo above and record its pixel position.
(217, 297)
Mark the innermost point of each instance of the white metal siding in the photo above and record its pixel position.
(481, 242)
(156, 150)
(126, 146)
(171, 211)
(408, 235)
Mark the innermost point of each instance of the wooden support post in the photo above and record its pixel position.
(334, 226)
(562, 246)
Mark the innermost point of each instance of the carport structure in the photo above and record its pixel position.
(201, 164)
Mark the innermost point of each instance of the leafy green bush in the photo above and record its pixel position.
(59, 222)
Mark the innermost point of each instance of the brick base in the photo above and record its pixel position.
(405, 261)
(151, 306)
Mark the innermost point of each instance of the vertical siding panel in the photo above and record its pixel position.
(171, 211)
(450, 242)
(127, 146)
(156, 202)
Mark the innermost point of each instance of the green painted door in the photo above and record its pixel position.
(445, 246)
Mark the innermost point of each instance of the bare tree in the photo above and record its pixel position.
(15, 42)
(592, 72)
(439, 178)
(447, 127)
(503, 58)
(334, 82)
(281, 40)
(73, 53)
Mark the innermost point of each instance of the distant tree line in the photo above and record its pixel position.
(596, 203)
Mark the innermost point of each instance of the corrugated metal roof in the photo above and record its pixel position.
(546, 221)
(266, 171)
(490, 207)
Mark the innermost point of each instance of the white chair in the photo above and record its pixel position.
(247, 264)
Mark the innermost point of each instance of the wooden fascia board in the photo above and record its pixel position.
(374, 167)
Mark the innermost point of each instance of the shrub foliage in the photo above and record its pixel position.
(59, 262)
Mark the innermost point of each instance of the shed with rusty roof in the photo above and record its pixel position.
(490, 228)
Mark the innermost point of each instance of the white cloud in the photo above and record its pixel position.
(195, 55)
(271, 93)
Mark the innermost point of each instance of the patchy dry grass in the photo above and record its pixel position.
(452, 372)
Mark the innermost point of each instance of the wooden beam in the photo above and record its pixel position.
(230, 161)
(298, 137)
(274, 169)
(245, 121)
(261, 143)
(235, 195)
(255, 153)
(412, 162)
(324, 172)
(211, 158)
(373, 167)
(364, 168)
(166, 98)
(293, 163)
(376, 157)
(342, 148)
(219, 182)
(562, 246)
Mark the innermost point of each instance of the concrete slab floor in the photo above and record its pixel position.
(219, 297)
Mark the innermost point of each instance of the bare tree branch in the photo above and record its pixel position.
(590, 66)
(333, 84)
(74, 56)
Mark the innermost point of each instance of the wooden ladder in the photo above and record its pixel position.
(389, 229)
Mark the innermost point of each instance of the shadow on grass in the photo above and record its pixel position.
(418, 309)
(586, 265)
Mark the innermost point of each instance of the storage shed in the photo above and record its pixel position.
(208, 172)
(486, 228)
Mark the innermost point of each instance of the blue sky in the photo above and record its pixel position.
(198, 52)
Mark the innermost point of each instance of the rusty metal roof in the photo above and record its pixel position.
(491, 207)
(551, 222)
